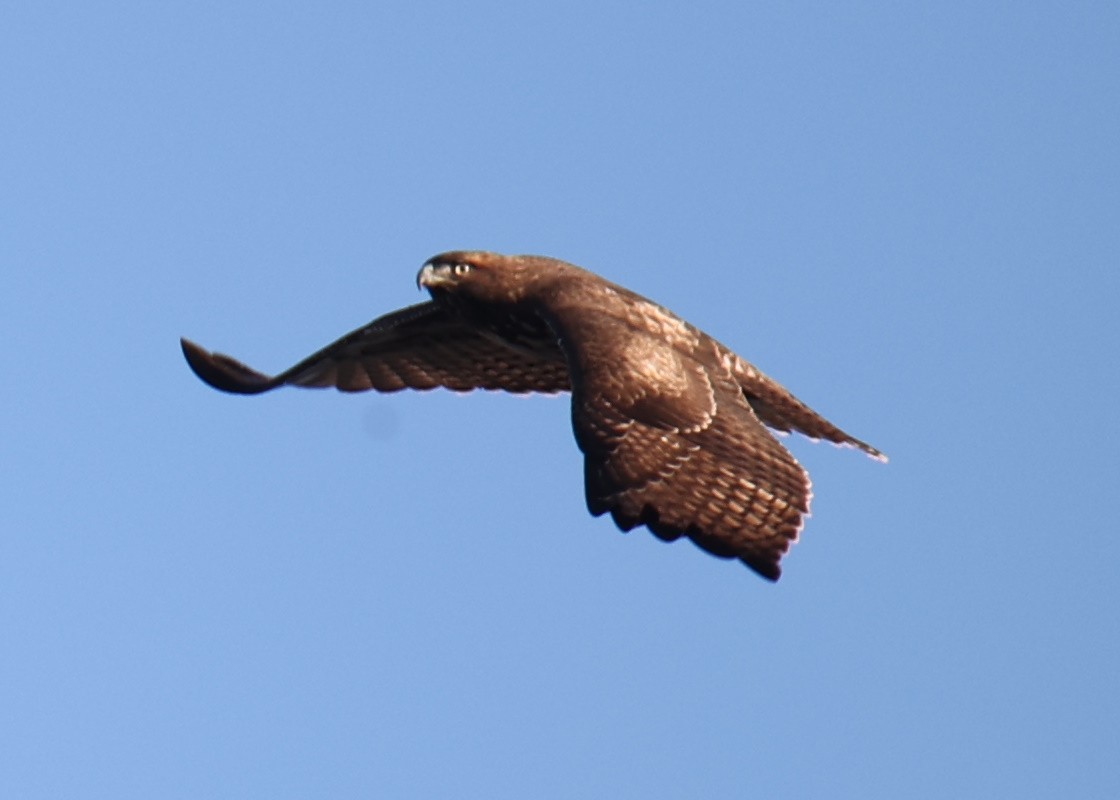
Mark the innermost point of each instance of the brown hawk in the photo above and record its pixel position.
(671, 422)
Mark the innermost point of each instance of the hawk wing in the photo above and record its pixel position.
(670, 442)
(418, 347)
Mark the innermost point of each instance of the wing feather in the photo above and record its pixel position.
(418, 347)
(731, 487)
(678, 448)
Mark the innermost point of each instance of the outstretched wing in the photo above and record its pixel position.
(419, 347)
(670, 442)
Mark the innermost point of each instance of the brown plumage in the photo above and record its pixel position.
(669, 420)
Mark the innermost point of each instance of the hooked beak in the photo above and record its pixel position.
(432, 276)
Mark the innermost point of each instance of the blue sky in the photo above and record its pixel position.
(907, 215)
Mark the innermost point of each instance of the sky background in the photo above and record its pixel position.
(908, 215)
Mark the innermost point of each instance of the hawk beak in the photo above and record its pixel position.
(432, 276)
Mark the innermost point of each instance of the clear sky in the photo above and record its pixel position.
(910, 216)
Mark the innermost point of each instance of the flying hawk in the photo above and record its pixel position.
(671, 423)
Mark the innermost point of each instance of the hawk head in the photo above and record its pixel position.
(479, 276)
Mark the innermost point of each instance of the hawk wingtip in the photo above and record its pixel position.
(770, 570)
(222, 372)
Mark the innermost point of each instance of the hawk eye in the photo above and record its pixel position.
(460, 269)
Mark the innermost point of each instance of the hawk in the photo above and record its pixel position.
(672, 424)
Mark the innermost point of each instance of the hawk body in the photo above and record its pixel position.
(671, 422)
